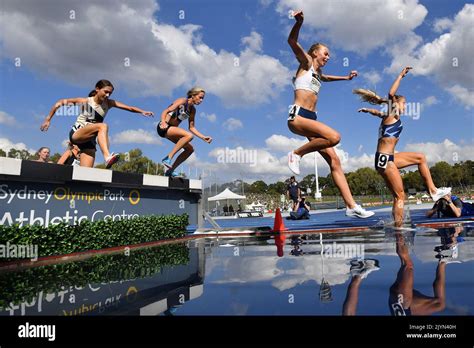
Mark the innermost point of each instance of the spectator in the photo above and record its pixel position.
(231, 209)
(293, 192)
(451, 206)
(43, 155)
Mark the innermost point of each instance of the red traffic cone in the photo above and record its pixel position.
(280, 244)
(278, 226)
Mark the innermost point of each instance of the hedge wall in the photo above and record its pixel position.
(64, 238)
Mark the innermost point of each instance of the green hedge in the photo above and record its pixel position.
(18, 287)
(64, 238)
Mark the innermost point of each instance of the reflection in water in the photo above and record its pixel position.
(144, 282)
(308, 275)
(404, 300)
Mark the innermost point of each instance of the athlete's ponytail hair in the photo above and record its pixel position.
(99, 85)
(195, 91)
(371, 97)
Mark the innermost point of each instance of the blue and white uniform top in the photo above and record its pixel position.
(181, 113)
(391, 130)
(91, 113)
(309, 81)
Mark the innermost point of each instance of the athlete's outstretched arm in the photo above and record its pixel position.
(303, 57)
(396, 83)
(117, 104)
(62, 102)
(373, 112)
(330, 78)
(193, 129)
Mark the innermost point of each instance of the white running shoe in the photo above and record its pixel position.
(111, 160)
(440, 193)
(363, 268)
(294, 162)
(359, 212)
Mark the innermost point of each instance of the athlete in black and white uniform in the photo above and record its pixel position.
(302, 119)
(90, 125)
(181, 109)
(387, 162)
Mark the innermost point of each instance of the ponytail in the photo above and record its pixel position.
(370, 96)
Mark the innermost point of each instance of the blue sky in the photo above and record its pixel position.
(237, 51)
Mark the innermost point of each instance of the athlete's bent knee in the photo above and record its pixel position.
(334, 139)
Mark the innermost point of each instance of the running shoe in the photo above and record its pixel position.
(359, 212)
(363, 268)
(294, 162)
(111, 160)
(167, 162)
(172, 173)
(440, 193)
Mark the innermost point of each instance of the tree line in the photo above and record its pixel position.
(366, 181)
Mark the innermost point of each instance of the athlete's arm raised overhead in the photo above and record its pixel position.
(330, 78)
(117, 104)
(193, 129)
(373, 112)
(396, 83)
(303, 57)
(62, 102)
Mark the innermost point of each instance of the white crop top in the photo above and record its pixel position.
(309, 81)
(92, 112)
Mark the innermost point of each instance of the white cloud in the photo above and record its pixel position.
(136, 136)
(358, 26)
(445, 151)
(6, 145)
(284, 144)
(254, 41)
(135, 51)
(431, 100)
(442, 24)
(447, 58)
(7, 119)
(210, 117)
(232, 124)
(265, 3)
(372, 77)
(463, 95)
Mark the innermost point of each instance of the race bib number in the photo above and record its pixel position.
(293, 112)
(382, 160)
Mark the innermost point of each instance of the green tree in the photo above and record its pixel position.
(133, 161)
(21, 154)
(258, 186)
(441, 173)
(277, 188)
(3, 153)
(54, 158)
(413, 180)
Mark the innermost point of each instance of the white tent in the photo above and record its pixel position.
(224, 195)
(425, 196)
(411, 197)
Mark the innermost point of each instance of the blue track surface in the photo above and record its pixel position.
(333, 219)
